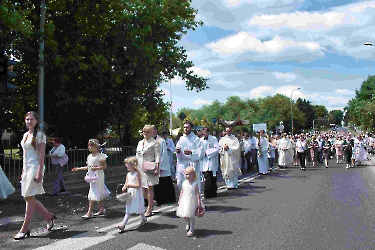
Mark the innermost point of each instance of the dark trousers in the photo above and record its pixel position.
(210, 185)
(248, 161)
(302, 157)
(58, 179)
(164, 192)
(320, 156)
(254, 160)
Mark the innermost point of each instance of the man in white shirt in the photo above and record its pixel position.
(188, 151)
(170, 149)
(56, 153)
(209, 163)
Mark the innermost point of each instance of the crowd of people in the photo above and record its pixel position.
(199, 158)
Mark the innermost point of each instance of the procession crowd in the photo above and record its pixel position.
(193, 161)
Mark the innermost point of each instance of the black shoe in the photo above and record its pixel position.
(62, 190)
(52, 194)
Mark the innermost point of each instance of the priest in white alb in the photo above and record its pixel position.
(230, 158)
(262, 147)
(188, 152)
(285, 150)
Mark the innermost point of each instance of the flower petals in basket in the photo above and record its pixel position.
(124, 197)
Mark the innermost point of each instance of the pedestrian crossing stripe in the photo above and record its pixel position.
(142, 246)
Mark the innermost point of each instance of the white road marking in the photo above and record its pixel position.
(142, 246)
(85, 240)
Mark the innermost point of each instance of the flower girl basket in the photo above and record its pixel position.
(122, 197)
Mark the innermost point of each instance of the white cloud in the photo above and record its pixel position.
(332, 100)
(261, 3)
(201, 102)
(300, 20)
(244, 41)
(200, 72)
(287, 91)
(177, 81)
(287, 77)
(344, 92)
(262, 91)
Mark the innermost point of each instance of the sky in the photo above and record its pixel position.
(259, 48)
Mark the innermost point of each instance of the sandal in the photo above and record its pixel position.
(121, 228)
(86, 216)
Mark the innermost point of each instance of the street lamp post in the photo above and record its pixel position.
(170, 115)
(291, 106)
(368, 44)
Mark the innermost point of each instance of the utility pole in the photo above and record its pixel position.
(41, 65)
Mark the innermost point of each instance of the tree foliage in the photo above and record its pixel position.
(103, 63)
(307, 108)
(270, 110)
(360, 109)
(336, 116)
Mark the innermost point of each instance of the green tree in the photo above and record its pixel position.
(336, 116)
(103, 70)
(320, 111)
(359, 109)
(305, 107)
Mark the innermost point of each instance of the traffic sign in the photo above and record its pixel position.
(182, 116)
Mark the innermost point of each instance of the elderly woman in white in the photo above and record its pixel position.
(148, 150)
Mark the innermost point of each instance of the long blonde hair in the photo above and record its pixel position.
(132, 160)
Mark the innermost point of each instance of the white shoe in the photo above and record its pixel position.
(187, 227)
(190, 233)
(100, 213)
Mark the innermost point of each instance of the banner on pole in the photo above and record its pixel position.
(259, 126)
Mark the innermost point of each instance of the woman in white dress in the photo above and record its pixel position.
(33, 144)
(361, 153)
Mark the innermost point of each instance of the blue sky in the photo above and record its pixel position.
(259, 48)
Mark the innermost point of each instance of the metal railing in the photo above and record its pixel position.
(12, 163)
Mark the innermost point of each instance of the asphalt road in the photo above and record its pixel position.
(288, 209)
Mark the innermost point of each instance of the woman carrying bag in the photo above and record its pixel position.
(58, 160)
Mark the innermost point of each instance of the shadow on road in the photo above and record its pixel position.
(150, 227)
(223, 209)
(204, 233)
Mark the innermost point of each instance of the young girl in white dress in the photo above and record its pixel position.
(189, 200)
(133, 185)
(95, 166)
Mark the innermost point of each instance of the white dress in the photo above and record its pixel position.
(136, 205)
(6, 187)
(188, 201)
(98, 190)
(361, 154)
(30, 165)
